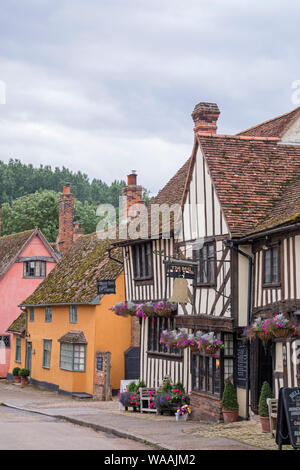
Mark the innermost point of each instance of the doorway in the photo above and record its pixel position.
(261, 369)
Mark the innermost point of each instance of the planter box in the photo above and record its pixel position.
(181, 417)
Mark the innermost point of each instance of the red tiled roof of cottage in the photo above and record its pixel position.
(275, 127)
(250, 177)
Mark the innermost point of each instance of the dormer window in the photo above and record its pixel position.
(34, 268)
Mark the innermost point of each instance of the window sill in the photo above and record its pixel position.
(272, 286)
(211, 285)
(34, 277)
(143, 282)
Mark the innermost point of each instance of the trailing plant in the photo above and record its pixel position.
(165, 309)
(229, 398)
(266, 392)
(184, 410)
(124, 309)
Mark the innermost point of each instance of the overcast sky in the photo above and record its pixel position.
(107, 86)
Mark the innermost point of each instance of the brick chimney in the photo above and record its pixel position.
(77, 232)
(131, 194)
(65, 221)
(205, 116)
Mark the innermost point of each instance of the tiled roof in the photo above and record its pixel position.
(73, 336)
(172, 192)
(275, 127)
(74, 278)
(250, 177)
(10, 246)
(286, 210)
(18, 325)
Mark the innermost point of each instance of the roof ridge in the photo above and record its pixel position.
(238, 137)
(269, 120)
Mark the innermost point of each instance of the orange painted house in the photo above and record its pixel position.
(25, 260)
(77, 344)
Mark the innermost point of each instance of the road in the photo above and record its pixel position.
(30, 431)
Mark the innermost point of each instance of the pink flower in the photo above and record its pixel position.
(168, 397)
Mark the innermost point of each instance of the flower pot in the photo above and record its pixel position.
(17, 379)
(282, 332)
(264, 336)
(183, 417)
(265, 423)
(230, 416)
(24, 380)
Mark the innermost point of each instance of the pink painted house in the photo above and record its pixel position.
(25, 260)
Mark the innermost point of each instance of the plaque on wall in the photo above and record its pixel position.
(106, 287)
(99, 363)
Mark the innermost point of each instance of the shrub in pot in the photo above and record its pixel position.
(263, 410)
(230, 406)
(24, 373)
(16, 375)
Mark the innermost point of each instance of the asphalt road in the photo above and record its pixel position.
(30, 431)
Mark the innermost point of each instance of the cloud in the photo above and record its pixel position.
(109, 86)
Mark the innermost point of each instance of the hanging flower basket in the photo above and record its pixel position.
(168, 338)
(282, 327)
(165, 309)
(276, 327)
(123, 309)
(213, 348)
(182, 339)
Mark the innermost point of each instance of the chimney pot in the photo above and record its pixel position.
(132, 178)
(205, 116)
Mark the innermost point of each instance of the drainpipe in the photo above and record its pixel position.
(112, 258)
(234, 244)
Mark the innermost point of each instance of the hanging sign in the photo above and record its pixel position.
(181, 268)
(106, 287)
(288, 418)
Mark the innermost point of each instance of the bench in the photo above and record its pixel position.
(145, 398)
(272, 406)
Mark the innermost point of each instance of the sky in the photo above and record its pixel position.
(108, 86)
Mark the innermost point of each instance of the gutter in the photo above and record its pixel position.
(267, 232)
(112, 258)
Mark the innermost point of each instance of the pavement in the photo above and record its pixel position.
(160, 432)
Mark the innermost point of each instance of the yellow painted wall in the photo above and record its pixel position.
(103, 330)
(113, 333)
(13, 363)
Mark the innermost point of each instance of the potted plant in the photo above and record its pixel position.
(183, 413)
(263, 410)
(24, 373)
(230, 406)
(16, 375)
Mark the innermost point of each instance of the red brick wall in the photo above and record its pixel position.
(206, 407)
(66, 216)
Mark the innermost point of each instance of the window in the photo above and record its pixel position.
(48, 314)
(73, 313)
(34, 269)
(142, 264)
(206, 373)
(271, 266)
(155, 328)
(31, 314)
(47, 353)
(228, 357)
(72, 357)
(18, 349)
(4, 341)
(206, 257)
